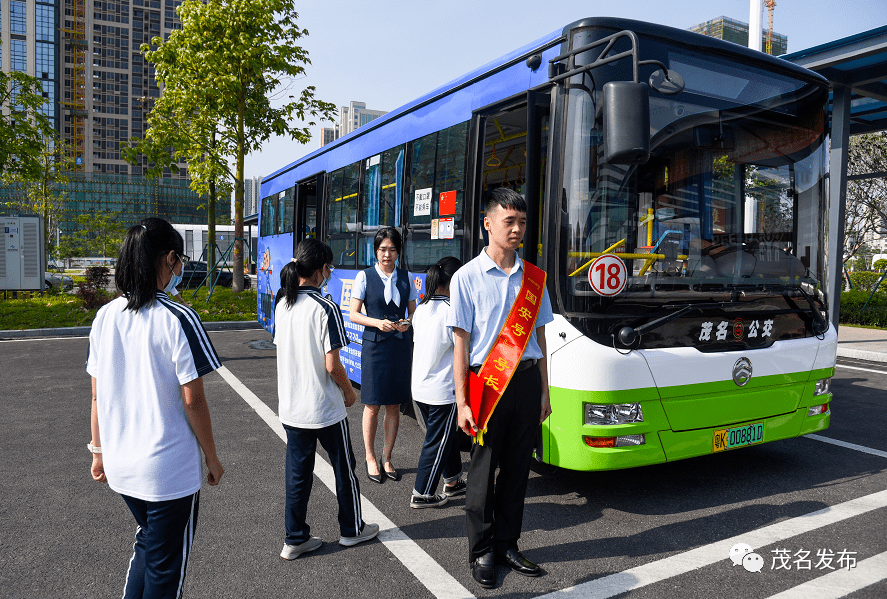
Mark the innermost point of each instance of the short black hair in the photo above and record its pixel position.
(504, 197)
(388, 233)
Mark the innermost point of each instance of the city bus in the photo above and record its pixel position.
(675, 186)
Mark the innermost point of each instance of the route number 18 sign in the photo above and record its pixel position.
(608, 275)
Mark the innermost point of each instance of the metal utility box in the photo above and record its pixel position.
(21, 261)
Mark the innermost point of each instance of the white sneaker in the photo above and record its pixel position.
(293, 551)
(369, 532)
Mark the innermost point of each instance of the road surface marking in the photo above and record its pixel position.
(869, 450)
(681, 563)
(858, 368)
(840, 583)
(431, 574)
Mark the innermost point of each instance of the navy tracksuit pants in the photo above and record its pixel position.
(163, 544)
(301, 445)
(440, 453)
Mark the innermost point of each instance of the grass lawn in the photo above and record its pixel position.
(67, 310)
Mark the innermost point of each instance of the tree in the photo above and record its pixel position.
(99, 234)
(220, 74)
(23, 127)
(42, 192)
(866, 211)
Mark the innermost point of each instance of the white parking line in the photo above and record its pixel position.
(431, 574)
(861, 448)
(707, 555)
(859, 368)
(840, 583)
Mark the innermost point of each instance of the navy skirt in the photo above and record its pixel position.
(385, 370)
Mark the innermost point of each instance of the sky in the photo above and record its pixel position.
(387, 58)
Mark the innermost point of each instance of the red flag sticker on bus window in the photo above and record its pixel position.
(447, 203)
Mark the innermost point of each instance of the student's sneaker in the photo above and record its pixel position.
(432, 501)
(294, 551)
(457, 488)
(369, 532)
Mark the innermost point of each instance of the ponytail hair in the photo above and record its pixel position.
(138, 263)
(311, 255)
(439, 276)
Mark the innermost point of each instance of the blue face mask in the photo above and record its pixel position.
(175, 280)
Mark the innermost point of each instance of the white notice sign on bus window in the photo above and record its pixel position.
(422, 205)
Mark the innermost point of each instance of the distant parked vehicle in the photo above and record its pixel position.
(54, 280)
(194, 273)
(54, 268)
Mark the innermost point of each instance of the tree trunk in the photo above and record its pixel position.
(211, 227)
(211, 219)
(237, 283)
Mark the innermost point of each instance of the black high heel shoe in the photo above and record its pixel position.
(392, 474)
(376, 478)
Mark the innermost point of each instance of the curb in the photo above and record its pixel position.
(230, 325)
(861, 354)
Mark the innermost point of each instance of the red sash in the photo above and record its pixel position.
(485, 389)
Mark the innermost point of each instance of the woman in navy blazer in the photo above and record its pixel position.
(386, 355)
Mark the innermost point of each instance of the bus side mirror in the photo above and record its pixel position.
(626, 108)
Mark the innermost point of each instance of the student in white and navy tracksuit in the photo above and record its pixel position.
(314, 392)
(149, 418)
(434, 391)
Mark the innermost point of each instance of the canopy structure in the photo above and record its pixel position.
(856, 67)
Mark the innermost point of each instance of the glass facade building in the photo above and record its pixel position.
(99, 89)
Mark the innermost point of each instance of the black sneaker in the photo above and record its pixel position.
(433, 501)
(457, 488)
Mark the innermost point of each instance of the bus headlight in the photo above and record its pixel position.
(620, 413)
(823, 386)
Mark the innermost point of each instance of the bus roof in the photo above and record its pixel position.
(648, 29)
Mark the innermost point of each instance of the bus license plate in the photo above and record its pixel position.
(740, 436)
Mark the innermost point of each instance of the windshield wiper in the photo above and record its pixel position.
(630, 337)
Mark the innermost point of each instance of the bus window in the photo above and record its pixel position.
(382, 197)
(267, 225)
(342, 214)
(437, 194)
(286, 209)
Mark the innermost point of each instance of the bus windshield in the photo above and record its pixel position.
(731, 200)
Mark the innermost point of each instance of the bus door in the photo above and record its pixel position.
(306, 213)
(512, 153)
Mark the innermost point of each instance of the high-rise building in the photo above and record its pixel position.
(328, 135)
(251, 188)
(29, 31)
(731, 30)
(351, 117)
(100, 90)
(356, 115)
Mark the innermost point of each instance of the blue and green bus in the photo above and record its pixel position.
(695, 167)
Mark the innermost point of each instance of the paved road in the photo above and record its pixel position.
(664, 531)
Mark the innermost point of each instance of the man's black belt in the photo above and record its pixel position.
(524, 365)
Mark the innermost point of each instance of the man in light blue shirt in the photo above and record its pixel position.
(481, 296)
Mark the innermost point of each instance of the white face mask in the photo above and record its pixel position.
(175, 280)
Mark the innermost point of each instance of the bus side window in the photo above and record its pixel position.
(342, 214)
(382, 203)
(436, 198)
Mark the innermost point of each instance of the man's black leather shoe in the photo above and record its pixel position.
(483, 570)
(520, 564)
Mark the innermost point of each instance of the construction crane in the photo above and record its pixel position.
(771, 5)
(76, 39)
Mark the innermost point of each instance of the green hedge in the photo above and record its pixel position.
(864, 280)
(875, 314)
